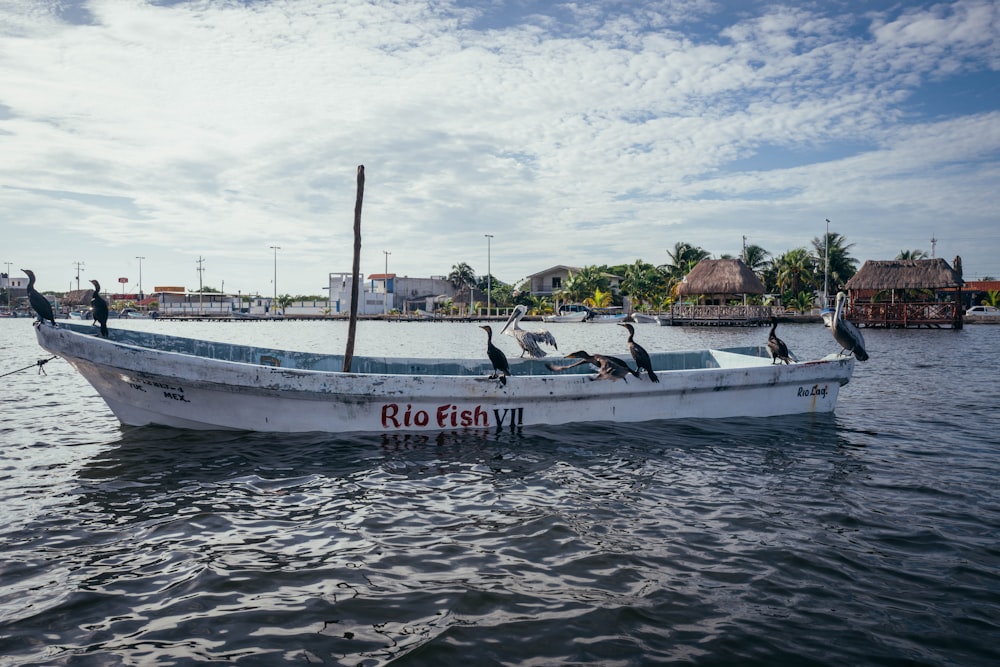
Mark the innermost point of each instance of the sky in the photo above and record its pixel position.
(574, 133)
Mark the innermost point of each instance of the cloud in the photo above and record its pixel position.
(591, 133)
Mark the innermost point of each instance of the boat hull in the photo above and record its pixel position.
(144, 386)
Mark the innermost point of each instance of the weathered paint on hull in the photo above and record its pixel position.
(200, 393)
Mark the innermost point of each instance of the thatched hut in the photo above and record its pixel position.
(720, 279)
(906, 293)
(716, 282)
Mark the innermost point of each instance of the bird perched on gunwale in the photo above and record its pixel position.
(639, 354)
(846, 334)
(529, 341)
(39, 303)
(775, 346)
(497, 357)
(608, 368)
(99, 308)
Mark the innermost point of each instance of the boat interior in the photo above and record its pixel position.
(662, 361)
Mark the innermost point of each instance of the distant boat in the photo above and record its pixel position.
(827, 315)
(569, 312)
(154, 379)
(612, 315)
(643, 318)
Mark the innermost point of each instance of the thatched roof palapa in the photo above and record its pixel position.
(721, 276)
(905, 274)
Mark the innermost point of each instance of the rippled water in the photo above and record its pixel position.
(871, 536)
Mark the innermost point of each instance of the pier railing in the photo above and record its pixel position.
(718, 315)
(904, 315)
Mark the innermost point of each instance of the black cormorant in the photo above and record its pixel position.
(639, 354)
(776, 346)
(38, 302)
(608, 368)
(99, 308)
(497, 357)
(846, 334)
(528, 340)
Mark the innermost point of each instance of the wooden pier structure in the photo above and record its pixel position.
(907, 293)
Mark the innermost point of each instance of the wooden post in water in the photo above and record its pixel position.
(356, 269)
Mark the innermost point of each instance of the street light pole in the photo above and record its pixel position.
(489, 277)
(274, 303)
(385, 284)
(826, 268)
(140, 276)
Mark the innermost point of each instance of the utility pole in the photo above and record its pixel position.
(826, 268)
(78, 265)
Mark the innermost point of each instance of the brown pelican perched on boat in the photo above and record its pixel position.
(846, 334)
(528, 340)
(497, 357)
(639, 354)
(39, 303)
(608, 368)
(100, 308)
(775, 346)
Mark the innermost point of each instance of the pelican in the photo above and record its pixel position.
(776, 346)
(608, 368)
(528, 340)
(100, 308)
(38, 302)
(497, 357)
(639, 354)
(846, 334)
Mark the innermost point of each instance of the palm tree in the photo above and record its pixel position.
(284, 301)
(756, 259)
(539, 305)
(600, 299)
(643, 282)
(461, 276)
(842, 265)
(795, 272)
(684, 258)
(583, 283)
(911, 254)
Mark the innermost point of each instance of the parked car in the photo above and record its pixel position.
(988, 311)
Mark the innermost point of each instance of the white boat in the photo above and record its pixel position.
(643, 318)
(827, 315)
(578, 316)
(612, 315)
(154, 379)
(569, 312)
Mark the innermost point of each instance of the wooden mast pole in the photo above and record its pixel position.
(356, 269)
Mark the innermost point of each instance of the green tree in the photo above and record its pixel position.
(645, 283)
(578, 286)
(461, 276)
(842, 265)
(756, 259)
(600, 299)
(539, 305)
(911, 254)
(992, 298)
(795, 272)
(683, 258)
(284, 301)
